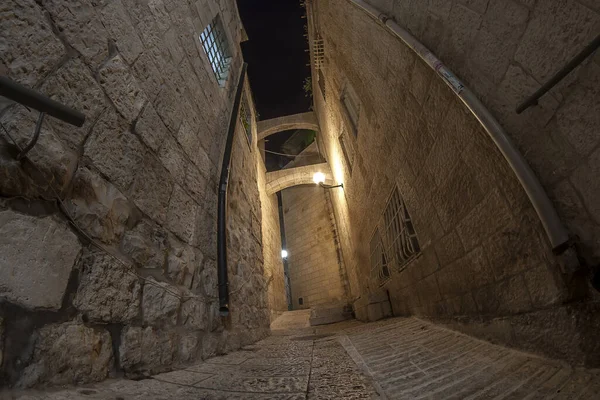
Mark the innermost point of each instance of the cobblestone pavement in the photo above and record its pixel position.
(401, 358)
(413, 359)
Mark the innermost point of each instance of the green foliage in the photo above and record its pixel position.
(308, 89)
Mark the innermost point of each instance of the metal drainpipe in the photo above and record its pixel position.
(555, 230)
(222, 200)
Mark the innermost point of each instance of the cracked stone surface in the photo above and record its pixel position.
(400, 358)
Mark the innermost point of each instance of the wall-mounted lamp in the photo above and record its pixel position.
(284, 254)
(319, 179)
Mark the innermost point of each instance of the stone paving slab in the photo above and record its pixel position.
(401, 358)
(413, 359)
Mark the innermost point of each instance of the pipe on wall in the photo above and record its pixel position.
(555, 230)
(222, 200)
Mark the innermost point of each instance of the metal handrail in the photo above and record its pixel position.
(564, 71)
(32, 99)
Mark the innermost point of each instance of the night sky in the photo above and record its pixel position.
(275, 55)
(277, 63)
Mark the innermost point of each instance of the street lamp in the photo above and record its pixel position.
(284, 254)
(319, 179)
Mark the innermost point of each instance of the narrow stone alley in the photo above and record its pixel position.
(398, 358)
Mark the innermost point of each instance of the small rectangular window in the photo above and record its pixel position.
(352, 107)
(380, 271)
(394, 243)
(347, 149)
(246, 118)
(322, 83)
(400, 236)
(214, 42)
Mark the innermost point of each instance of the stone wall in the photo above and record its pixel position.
(485, 265)
(315, 271)
(108, 231)
(271, 244)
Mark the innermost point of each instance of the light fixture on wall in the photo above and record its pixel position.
(284, 254)
(319, 179)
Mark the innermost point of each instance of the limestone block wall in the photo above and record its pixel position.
(108, 231)
(316, 275)
(484, 265)
(504, 51)
(271, 245)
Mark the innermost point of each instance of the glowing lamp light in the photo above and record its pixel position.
(319, 178)
(284, 253)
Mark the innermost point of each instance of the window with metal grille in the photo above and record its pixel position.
(246, 118)
(380, 271)
(398, 239)
(214, 42)
(347, 148)
(352, 107)
(322, 83)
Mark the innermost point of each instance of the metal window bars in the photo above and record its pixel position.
(214, 42)
(400, 236)
(380, 271)
(397, 244)
(246, 118)
(318, 50)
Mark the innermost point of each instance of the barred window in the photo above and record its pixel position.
(246, 118)
(347, 149)
(352, 107)
(322, 83)
(380, 271)
(214, 42)
(398, 239)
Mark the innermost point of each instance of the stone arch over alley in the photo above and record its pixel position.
(269, 127)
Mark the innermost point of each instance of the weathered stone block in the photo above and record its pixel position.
(544, 285)
(150, 128)
(98, 207)
(476, 5)
(50, 164)
(506, 297)
(554, 35)
(114, 150)
(144, 351)
(171, 155)
(68, 353)
(81, 27)
(188, 347)
(167, 105)
(194, 314)
(449, 248)
(122, 88)
(152, 188)
(160, 302)
(116, 20)
(37, 256)
(578, 118)
(28, 48)
(148, 75)
(146, 245)
(108, 290)
(585, 179)
(465, 274)
(488, 217)
(74, 86)
(506, 19)
(491, 55)
(182, 262)
(182, 213)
